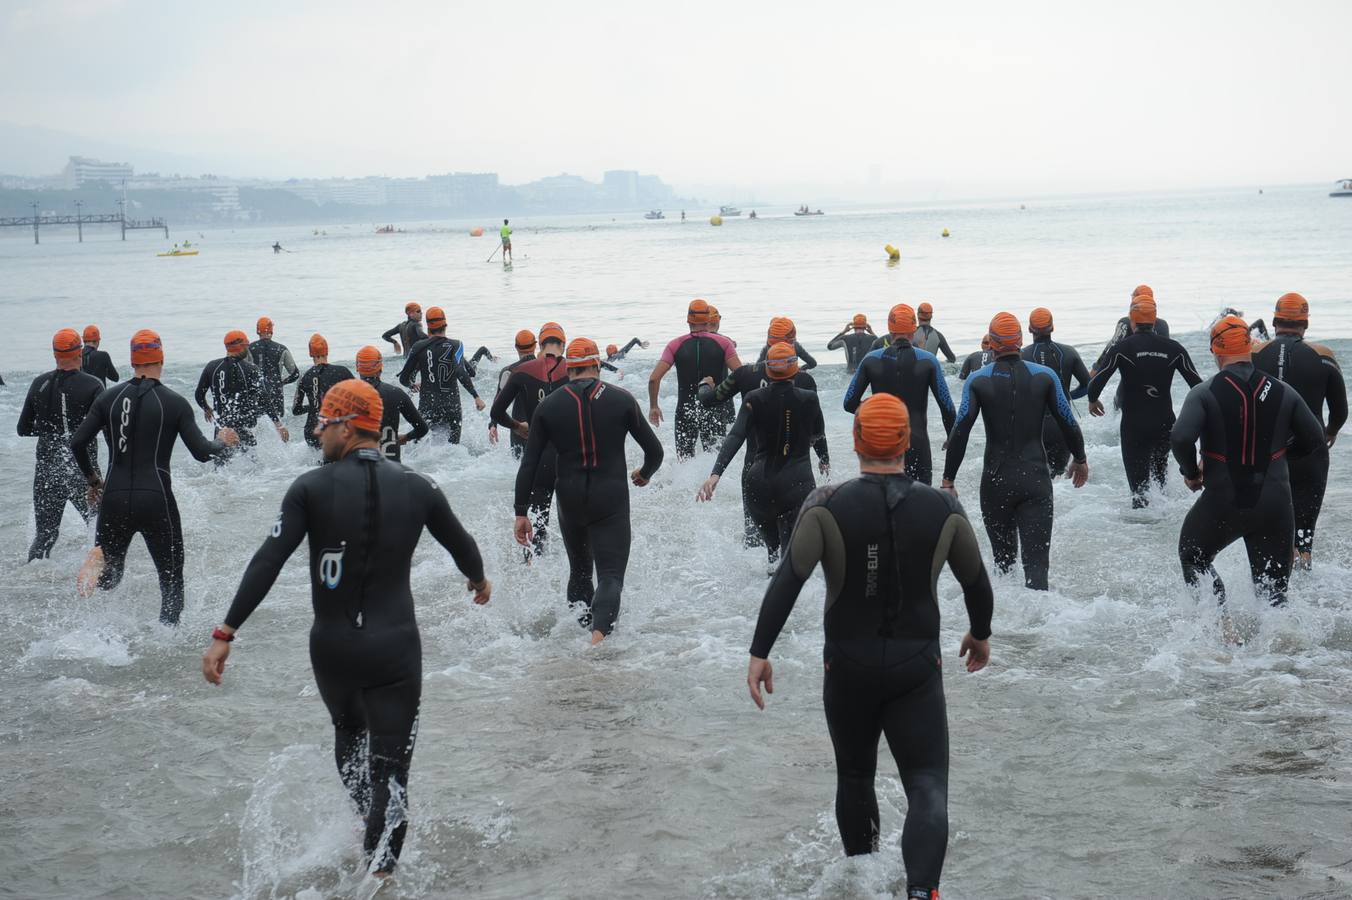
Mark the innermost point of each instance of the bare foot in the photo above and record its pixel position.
(597, 637)
(88, 580)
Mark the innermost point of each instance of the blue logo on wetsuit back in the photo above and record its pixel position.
(331, 567)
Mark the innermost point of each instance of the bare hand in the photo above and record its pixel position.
(1330, 437)
(706, 490)
(521, 430)
(492, 435)
(655, 415)
(283, 433)
(637, 477)
(1078, 473)
(709, 380)
(824, 468)
(482, 591)
(757, 673)
(228, 436)
(397, 348)
(978, 653)
(93, 494)
(213, 660)
(948, 486)
(210, 416)
(479, 403)
(643, 344)
(1096, 408)
(1194, 484)
(522, 530)
(414, 388)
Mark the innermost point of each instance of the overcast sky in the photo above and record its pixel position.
(968, 98)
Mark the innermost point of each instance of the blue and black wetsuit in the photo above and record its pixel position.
(363, 516)
(310, 391)
(882, 541)
(1012, 396)
(586, 423)
(57, 403)
(531, 381)
(1065, 361)
(438, 362)
(909, 373)
(856, 345)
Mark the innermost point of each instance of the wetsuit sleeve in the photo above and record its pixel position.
(607, 365)
(109, 370)
(449, 533)
(1059, 407)
(203, 382)
(409, 410)
(289, 366)
(480, 354)
(1187, 430)
(1121, 331)
(962, 428)
(466, 373)
(85, 434)
(27, 416)
(939, 388)
(409, 370)
(197, 443)
(503, 401)
(647, 440)
(806, 548)
(854, 393)
(267, 562)
(945, 349)
(1307, 435)
(389, 335)
(298, 405)
(530, 461)
(712, 396)
(1102, 374)
(819, 441)
(633, 342)
(803, 356)
(1078, 373)
(1183, 365)
(1335, 395)
(964, 560)
(837, 342)
(736, 437)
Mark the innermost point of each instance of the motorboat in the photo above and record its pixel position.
(804, 211)
(726, 211)
(1344, 189)
(654, 214)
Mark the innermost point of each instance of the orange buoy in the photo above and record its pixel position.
(476, 232)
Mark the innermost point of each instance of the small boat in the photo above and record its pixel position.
(1344, 189)
(388, 229)
(654, 214)
(178, 253)
(753, 215)
(729, 211)
(804, 211)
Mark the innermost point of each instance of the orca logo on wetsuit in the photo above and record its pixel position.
(126, 421)
(331, 567)
(277, 526)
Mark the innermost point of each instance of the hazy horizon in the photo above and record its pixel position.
(744, 100)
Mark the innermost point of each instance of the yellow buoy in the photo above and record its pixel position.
(892, 252)
(476, 232)
(945, 234)
(715, 220)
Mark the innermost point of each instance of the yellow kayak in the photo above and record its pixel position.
(178, 253)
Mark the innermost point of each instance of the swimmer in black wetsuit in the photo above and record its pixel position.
(237, 391)
(95, 361)
(409, 331)
(1121, 331)
(1065, 361)
(277, 367)
(363, 515)
(1247, 422)
(1147, 363)
(395, 403)
(741, 382)
(929, 338)
(525, 352)
(909, 372)
(700, 354)
(1012, 396)
(804, 358)
(586, 422)
(977, 360)
(856, 339)
(619, 353)
(56, 404)
(882, 540)
(1313, 371)
(314, 384)
(524, 391)
(141, 419)
(786, 421)
(437, 363)
(472, 364)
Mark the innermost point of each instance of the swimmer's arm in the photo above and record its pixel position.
(712, 396)
(409, 410)
(505, 398)
(1184, 366)
(1186, 431)
(410, 369)
(480, 354)
(939, 388)
(109, 370)
(1078, 373)
(837, 342)
(267, 562)
(466, 372)
(530, 461)
(819, 439)
(854, 393)
(736, 437)
(962, 427)
(945, 349)
(1307, 435)
(390, 335)
(289, 366)
(201, 449)
(85, 434)
(1335, 397)
(624, 351)
(1099, 380)
(27, 416)
(605, 364)
(655, 381)
(298, 405)
(449, 533)
(200, 395)
(803, 356)
(1061, 413)
(648, 442)
(964, 561)
(806, 548)
(733, 362)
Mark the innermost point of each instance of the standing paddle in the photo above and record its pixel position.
(494, 253)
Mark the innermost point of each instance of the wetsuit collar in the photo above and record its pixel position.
(1041, 338)
(1242, 369)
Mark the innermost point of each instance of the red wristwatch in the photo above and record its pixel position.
(220, 634)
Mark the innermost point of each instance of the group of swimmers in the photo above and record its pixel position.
(880, 538)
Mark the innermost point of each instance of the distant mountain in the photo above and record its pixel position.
(28, 150)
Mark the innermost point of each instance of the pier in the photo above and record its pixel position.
(79, 220)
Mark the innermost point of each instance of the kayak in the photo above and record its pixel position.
(178, 253)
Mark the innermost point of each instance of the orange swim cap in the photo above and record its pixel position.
(369, 361)
(860, 320)
(582, 353)
(781, 329)
(698, 313)
(1230, 337)
(91, 334)
(1005, 333)
(901, 319)
(66, 344)
(714, 315)
(925, 312)
(781, 362)
(612, 349)
(354, 401)
(436, 318)
(411, 307)
(1143, 310)
(882, 427)
(552, 331)
(318, 346)
(264, 324)
(146, 348)
(236, 342)
(525, 340)
(1293, 308)
(1040, 319)
(1142, 290)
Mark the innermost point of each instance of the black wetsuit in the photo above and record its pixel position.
(395, 403)
(1316, 377)
(856, 345)
(98, 363)
(740, 382)
(623, 351)
(1121, 331)
(525, 389)
(437, 363)
(278, 368)
(472, 364)
(1065, 361)
(882, 541)
(805, 360)
(57, 403)
(586, 422)
(932, 339)
(1012, 396)
(141, 419)
(363, 515)
(310, 391)
(1247, 422)
(697, 357)
(409, 332)
(238, 396)
(974, 361)
(786, 421)
(517, 444)
(908, 373)
(1147, 362)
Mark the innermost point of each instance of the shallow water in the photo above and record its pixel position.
(1115, 747)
